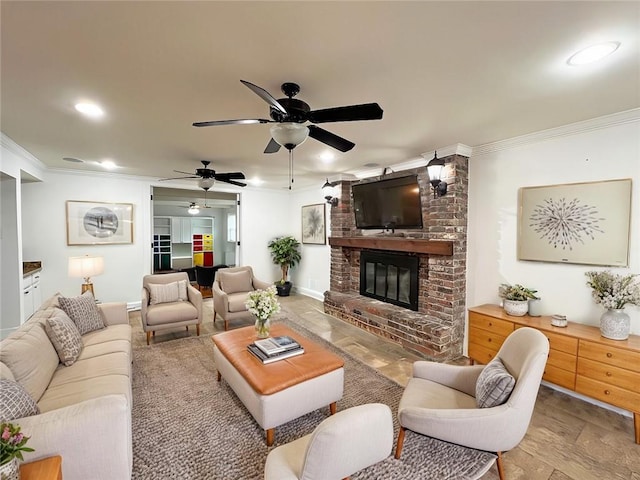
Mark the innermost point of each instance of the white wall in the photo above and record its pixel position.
(601, 149)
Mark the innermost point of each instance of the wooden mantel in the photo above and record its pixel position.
(397, 244)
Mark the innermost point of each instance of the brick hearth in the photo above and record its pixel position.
(436, 330)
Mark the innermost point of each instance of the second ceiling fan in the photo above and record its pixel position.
(289, 114)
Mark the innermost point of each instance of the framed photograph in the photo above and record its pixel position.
(96, 223)
(313, 224)
(584, 223)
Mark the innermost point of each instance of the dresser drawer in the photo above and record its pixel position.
(492, 324)
(560, 377)
(618, 357)
(486, 338)
(608, 393)
(481, 354)
(562, 360)
(620, 377)
(562, 343)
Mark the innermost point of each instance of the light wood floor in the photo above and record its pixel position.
(567, 438)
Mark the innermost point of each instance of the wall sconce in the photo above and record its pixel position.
(434, 169)
(86, 267)
(328, 191)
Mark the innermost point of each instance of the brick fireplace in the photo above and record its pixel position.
(436, 329)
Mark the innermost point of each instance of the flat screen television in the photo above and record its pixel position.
(390, 203)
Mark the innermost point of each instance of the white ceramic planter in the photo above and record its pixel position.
(516, 308)
(615, 324)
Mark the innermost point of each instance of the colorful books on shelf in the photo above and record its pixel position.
(279, 348)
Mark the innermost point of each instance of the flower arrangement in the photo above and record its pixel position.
(516, 292)
(12, 443)
(614, 291)
(263, 303)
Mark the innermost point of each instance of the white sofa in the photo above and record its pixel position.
(85, 408)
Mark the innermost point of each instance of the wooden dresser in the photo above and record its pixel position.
(579, 358)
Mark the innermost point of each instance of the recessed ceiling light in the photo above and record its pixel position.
(593, 53)
(72, 160)
(371, 165)
(327, 156)
(108, 164)
(255, 181)
(89, 109)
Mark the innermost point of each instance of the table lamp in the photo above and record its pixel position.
(86, 267)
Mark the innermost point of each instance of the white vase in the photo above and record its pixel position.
(10, 470)
(535, 307)
(515, 308)
(615, 324)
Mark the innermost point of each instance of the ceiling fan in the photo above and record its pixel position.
(208, 176)
(289, 114)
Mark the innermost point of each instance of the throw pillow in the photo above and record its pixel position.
(494, 385)
(83, 311)
(234, 282)
(15, 402)
(65, 336)
(167, 292)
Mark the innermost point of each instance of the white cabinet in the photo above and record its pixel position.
(32, 294)
(180, 229)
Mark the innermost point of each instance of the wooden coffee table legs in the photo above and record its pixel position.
(271, 432)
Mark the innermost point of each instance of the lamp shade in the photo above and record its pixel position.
(289, 135)
(434, 169)
(206, 183)
(85, 266)
(193, 209)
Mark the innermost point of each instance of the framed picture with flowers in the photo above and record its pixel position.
(583, 223)
(313, 224)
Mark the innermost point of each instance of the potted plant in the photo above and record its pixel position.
(515, 298)
(12, 444)
(614, 292)
(285, 252)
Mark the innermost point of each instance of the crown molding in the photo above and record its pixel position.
(37, 167)
(599, 123)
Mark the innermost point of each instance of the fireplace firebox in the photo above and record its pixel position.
(390, 277)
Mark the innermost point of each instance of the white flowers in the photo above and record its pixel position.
(614, 291)
(263, 303)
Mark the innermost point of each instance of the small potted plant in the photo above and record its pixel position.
(285, 252)
(263, 304)
(515, 298)
(12, 444)
(614, 292)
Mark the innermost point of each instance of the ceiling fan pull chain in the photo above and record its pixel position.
(290, 168)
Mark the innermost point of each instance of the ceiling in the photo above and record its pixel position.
(443, 72)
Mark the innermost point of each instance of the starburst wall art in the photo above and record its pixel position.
(585, 223)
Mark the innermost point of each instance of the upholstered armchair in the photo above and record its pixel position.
(169, 301)
(340, 446)
(231, 289)
(442, 401)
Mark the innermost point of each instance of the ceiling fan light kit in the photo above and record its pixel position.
(289, 135)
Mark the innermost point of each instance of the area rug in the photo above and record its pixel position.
(186, 425)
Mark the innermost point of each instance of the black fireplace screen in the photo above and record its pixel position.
(390, 277)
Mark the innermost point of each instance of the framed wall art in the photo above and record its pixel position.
(313, 224)
(583, 223)
(97, 223)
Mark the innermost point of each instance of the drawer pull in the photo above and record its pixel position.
(490, 324)
(607, 392)
(489, 340)
(609, 354)
(608, 374)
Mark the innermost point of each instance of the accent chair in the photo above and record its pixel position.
(442, 401)
(169, 301)
(230, 290)
(340, 446)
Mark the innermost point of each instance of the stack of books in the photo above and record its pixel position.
(275, 348)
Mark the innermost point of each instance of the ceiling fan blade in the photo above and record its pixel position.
(186, 173)
(176, 178)
(330, 139)
(349, 113)
(230, 175)
(233, 182)
(241, 121)
(272, 146)
(266, 96)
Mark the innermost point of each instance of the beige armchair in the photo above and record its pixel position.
(341, 445)
(440, 400)
(169, 301)
(230, 289)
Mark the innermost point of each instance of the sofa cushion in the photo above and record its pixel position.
(60, 396)
(64, 336)
(83, 311)
(167, 292)
(116, 363)
(5, 373)
(15, 401)
(494, 385)
(30, 355)
(233, 282)
(164, 313)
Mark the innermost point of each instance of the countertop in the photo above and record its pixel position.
(30, 267)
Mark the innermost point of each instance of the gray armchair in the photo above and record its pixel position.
(169, 301)
(440, 400)
(230, 290)
(341, 445)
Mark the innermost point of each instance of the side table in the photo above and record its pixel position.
(49, 468)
